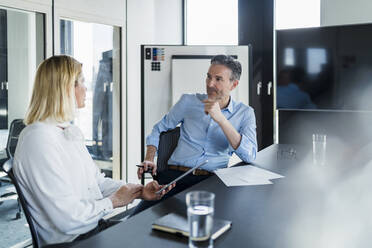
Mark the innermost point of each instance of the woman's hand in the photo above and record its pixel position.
(149, 191)
(126, 194)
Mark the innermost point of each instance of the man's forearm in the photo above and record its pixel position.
(150, 153)
(231, 134)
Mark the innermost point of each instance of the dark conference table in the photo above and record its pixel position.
(313, 206)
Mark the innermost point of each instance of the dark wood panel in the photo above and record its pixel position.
(256, 29)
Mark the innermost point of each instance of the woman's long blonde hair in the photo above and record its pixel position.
(53, 95)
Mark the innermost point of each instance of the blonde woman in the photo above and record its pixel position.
(66, 192)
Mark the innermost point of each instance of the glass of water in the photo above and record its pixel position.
(200, 209)
(319, 148)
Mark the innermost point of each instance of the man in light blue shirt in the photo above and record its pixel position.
(212, 127)
(203, 138)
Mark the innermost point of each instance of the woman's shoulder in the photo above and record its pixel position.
(41, 128)
(39, 132)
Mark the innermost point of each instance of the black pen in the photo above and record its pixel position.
(141, 166)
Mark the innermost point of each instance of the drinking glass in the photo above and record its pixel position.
(200, 209)
(319, 148)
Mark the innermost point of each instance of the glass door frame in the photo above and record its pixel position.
(119, 104)
(43, 7)
(40, 8)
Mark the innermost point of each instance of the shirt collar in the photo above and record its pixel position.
(52, 121)
(230, 106)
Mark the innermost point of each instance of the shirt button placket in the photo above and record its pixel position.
(209, 132)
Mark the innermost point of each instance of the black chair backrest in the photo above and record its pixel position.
(16, 127)
(167, 143)
(8, 168)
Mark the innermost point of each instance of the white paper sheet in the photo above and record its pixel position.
(246, 176)
(230, 180)
(249, 171)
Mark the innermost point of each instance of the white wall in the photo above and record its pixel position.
(27, 4)
(148, 22)
(110, 12)
(341, 12)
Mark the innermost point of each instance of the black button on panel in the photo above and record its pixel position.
(148, 53)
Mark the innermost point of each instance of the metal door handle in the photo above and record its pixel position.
(269, 86)
(111, 86)
(259, 86)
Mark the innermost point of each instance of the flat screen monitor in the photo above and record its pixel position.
(325, 68)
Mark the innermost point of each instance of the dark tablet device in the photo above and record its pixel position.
(182, 176)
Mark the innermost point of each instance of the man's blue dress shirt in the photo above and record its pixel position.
(201, 138)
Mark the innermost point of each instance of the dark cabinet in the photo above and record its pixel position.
(256, 27)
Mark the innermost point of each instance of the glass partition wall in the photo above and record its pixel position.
(97, 47)
(22, 48)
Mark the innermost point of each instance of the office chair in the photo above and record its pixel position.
(5, 180)
(167, 143)
(8, 168)
(16, 127)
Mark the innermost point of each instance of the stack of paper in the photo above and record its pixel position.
(245, 176)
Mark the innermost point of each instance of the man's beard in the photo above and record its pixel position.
(214, 93)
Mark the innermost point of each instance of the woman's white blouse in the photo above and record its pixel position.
(65, 191)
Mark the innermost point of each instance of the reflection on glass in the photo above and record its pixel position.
(93, 45)
(290, 91)
(315, 52)
(21, 51)
(316, 58)
(289, 57)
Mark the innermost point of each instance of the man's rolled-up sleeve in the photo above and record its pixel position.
(247, 149)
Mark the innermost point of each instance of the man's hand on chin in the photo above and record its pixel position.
(213, 108)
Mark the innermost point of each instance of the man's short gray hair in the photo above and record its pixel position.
(229, 62)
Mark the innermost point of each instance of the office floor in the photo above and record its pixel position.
(12, 232)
